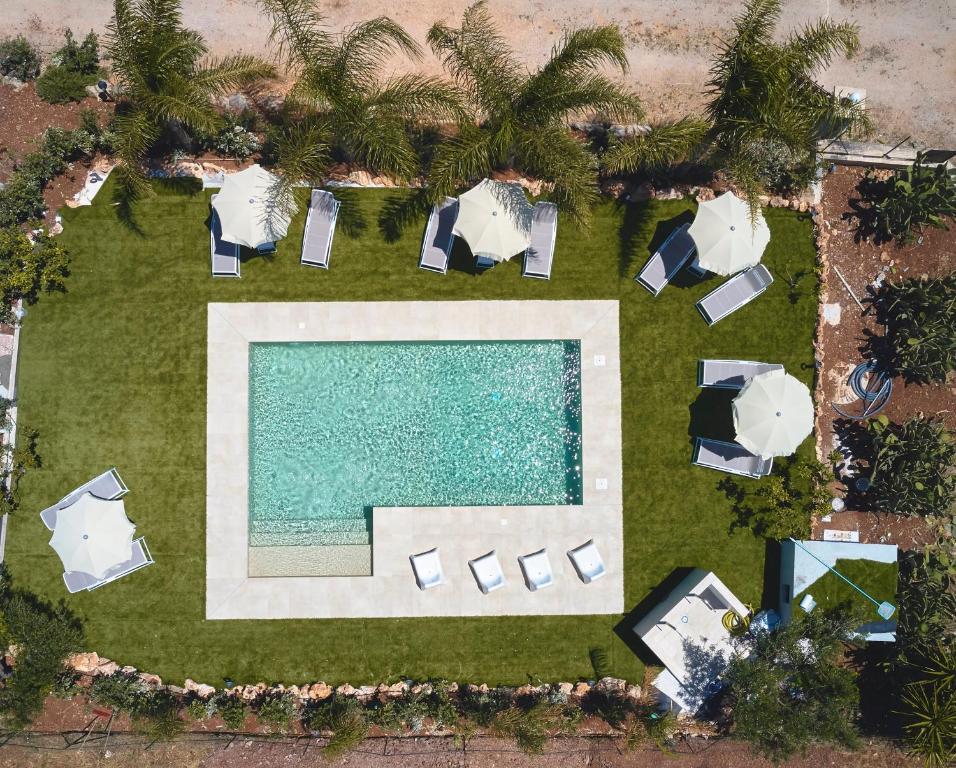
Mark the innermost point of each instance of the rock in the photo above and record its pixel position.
(107, 669)
(425, 689)
(366, 693)
(778, 202)
(362, 178)
(237, 102)
(202, 690)
(84, 663)
(581, 690)
(213, 169)
(633, 693)
(92, 90)
(565, 689)
(17, 85)
(612, 685)
(764, 200)
(185, 169)
(524, 690)
(804, 206)
(320, 691)
(345, 690)
(483, 688)
(705, 194)
(128, 670)
(153, 681)
(670, 193)
(452, 688)
(613, 188)
(396, 691)
(795, 205)
(175, 690)
(293, 690)
(250, 693)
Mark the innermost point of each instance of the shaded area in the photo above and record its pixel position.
(711, 415)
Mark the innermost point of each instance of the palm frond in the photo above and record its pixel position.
(297, 31)
(479, 59)
(416, 97)
(366, 46)
(135, 134)
(582, 51)
(817, 43)
(665, 144)
(303, 152)
(226, 74)
(461, 159)
(381, 144)
(555, 99)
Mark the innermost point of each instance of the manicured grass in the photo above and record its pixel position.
(878, 580)
(113, 373)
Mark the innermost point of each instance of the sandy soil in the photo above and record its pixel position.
(907, 63)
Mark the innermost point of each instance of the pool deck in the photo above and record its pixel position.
(460, 533)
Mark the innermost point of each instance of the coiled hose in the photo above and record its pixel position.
(873, 386)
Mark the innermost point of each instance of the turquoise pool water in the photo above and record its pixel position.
(338, 428)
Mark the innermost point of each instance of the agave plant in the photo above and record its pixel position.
(764, 102)
(920, 319)
(912, 198)
(345, 105)
(519, 119)
(929, 720)
(164, 77)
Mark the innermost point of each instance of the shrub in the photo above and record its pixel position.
(231, 709)
(28, 269)
(120, 691)
(18, 58)
(920, 320)
(17, 460)
(59, 85)
(530, 727)
(75, 66)
(21, 200)
(344, 718)
(45, 635)
(197, 709)
(929, 719)
(158, 716)
(277, 711)
(910, 199)
(912, 466)
(791, 691)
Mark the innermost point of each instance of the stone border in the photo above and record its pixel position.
(400, 532)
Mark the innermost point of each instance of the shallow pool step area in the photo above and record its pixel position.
(329, 560)
(309, 533)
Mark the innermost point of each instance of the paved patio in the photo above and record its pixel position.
(461, 533)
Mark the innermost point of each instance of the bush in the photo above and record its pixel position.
(45, 635)
(75, 66)
(20, 201)
(920, 320)
(235, 139)
(18, 58)
(908, 200)
(530, 726)
(28, 269)
(59, 85)
(277, 711)
(912, 466)
(344, 718)
(231, 709)
(158, 716)
(120, 691)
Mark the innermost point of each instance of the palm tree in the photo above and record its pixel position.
(344, 103)
(765, 107)
(164, 78)
(519, 118)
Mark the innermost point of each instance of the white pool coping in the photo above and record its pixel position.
(460, 533)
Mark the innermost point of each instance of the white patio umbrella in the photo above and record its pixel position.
(247, 210)
(773, 414)
(726, 239)
(494, 218)
(92, 535)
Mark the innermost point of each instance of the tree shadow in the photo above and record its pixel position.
(856, 446)
(634, 222)
(351, 220)
(624, 629)
(463, 260)
(711, 416)
(402, 210)
(863, 210)
(770, 598)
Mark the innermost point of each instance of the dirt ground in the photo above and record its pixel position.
(907, 62)
(443, 753)
(841, 346)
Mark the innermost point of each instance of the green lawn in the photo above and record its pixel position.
(878, 580)
(113, 373)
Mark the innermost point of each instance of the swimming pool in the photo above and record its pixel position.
(336, 428)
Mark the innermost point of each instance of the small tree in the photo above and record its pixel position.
(909, 199)
(73, 67)
(912, 466)
(16, 461)
(18, 58)
(920, 319)
(28, 269)
(45, 635)
(782, 505)
(791, 692)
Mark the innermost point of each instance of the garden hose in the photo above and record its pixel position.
(734, 623)
(875, 392)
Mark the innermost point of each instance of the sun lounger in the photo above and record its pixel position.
(319, 229)
(76, 580)
(732, 295)
(729, 457)
(537, 570)
(487, 572)
(667, 260)
(427, 568)
(587, 562)
(108, 485)
(730, 374)
(436, 246)
(224, 256)
(539, 255)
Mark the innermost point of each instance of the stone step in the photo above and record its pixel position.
(307, 538)
(335, 560)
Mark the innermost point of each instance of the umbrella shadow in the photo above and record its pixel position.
(711, 415)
